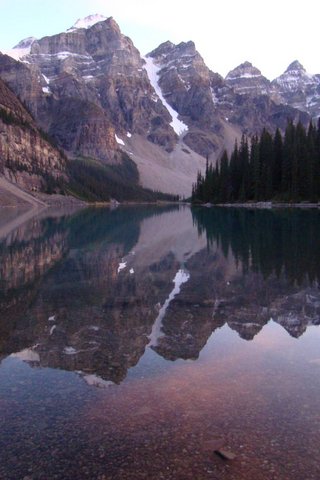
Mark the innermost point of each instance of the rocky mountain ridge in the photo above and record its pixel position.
(95, 95)
(299, 89)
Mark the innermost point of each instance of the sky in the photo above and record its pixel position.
(270, 34)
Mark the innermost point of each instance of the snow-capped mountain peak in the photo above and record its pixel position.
(25, 43)
(21, 49)
(299, 88)
(294, 77)
(87, 22)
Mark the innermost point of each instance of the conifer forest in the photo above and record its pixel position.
(270, 167)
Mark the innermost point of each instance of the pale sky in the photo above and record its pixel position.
(270, 34)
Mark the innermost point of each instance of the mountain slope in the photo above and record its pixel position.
(26, 156)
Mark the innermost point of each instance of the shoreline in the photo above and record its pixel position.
(263, 205)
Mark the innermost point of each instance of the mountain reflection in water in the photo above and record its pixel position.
(92, 292)
(156, 305)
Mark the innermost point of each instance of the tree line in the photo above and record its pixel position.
(267, 167)
(94, 181)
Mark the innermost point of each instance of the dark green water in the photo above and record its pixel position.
(133, 342)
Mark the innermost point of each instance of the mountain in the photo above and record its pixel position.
(214, 111)
(92, 81)
(99, 99)
(186, 85)
(299, 89)
(295, 88)
(247, 79)
(89, 90)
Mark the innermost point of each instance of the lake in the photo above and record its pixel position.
(138, 343)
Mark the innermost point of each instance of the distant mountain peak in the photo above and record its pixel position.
(246, 79)
(87, 22)
(244, 70)
(183, 49)
(25, 43)
(295, 66)
(245, 64)
(163, 49)
(19, 51)
(189, 44)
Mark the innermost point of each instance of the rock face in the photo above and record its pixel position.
(26, 157)
(247, 79)
(295, 88)
(189, 87)
(91, 86)
(217, 110)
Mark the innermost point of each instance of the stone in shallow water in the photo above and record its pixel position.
(225, 454)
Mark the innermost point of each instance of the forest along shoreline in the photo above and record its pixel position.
(268, 205)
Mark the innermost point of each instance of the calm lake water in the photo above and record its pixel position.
(136, 342)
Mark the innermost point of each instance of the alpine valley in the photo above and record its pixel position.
(82, 112)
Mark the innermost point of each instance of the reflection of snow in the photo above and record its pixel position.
(52, 329)
(97, 381)
(27, 355)
(69, 351)
(180, 278)
(121, 266)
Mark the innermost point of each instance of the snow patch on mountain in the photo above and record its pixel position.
(47, 80)
(21, 50)
(87, 22)
(153, 73)
(243, 75)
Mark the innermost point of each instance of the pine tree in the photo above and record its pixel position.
(278, 163)
(302, 158)
(312, 174)
(288, 160)
(266, 154)
(255, 168)
(224, 179)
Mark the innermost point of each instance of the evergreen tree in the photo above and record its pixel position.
(278, 163)
(224, 180)
(288, 161)
(266, 154)
(256, 176)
